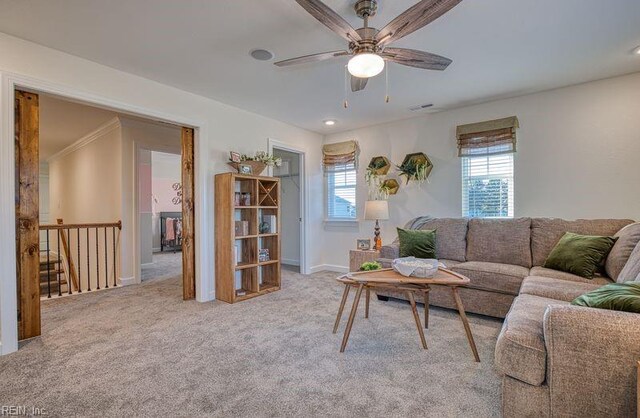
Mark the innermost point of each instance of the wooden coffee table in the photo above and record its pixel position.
(392, 280)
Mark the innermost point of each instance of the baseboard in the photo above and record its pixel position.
(156, 250)
(290, 262)
(329, 267)
(127, 281)
(143, 265)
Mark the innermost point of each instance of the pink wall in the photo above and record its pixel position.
(164, 195)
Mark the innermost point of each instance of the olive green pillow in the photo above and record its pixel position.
(417, 243)
(579, 254)
(615, 296)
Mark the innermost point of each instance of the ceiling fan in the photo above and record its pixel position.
(368, 46)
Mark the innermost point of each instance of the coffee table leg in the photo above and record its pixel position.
(352, 316)
(366, 303)
(426, 309)
(345, 294)
(465, 322)
(417, 318)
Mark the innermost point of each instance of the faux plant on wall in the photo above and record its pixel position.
(416, 166)
(375, 177)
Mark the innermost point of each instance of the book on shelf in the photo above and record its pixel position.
(241, 228)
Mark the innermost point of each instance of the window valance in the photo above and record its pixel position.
(339, 155)
(487, 138)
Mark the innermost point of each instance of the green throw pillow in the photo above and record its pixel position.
(615, 296)
(417, 243)
(579, 254)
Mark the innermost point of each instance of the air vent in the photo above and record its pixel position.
(421, 107)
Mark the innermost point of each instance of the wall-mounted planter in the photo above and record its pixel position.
(379, 166)
(416, 166)
(390, 186)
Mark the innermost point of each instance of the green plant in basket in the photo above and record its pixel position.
(370, 266)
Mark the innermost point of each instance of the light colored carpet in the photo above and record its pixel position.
(141, 350)
(165, 264)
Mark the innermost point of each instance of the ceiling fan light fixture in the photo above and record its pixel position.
(365, 65)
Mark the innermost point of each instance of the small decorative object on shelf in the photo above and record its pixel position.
(416, 166)
(363, 244)
(257, 163)
(370, 266)
(263, 255)
(245, 168)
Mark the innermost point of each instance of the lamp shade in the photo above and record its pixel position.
(376, 210)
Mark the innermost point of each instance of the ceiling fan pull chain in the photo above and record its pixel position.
(386, 83)
(346, 80)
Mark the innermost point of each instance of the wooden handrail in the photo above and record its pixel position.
(74, 226)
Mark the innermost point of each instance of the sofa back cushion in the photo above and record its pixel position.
(631, 270)
(546, 232)
(451, 237)
(506, 241)
(628, 238)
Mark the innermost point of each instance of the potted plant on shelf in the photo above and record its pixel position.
(258, 162)
(416, 166)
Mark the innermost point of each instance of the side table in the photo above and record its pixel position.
(359, 257)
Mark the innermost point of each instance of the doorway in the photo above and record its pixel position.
(292, 180)
(160, 205)
(97, 239)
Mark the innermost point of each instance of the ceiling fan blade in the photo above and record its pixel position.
(311, 58)
(415, 58)
(330, 19)
(358, 83)
(414, 18)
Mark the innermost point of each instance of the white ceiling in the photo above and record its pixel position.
(62, 123)
(500, 48)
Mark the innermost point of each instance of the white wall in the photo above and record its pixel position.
(85, 187)
(224, 128)
(577, 156)
(290, 207)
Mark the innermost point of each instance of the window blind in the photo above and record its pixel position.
(341, 192)
(487, 183)
(489, 138)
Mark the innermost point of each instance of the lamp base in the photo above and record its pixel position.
(377, 241)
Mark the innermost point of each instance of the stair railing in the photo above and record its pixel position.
(78, 257)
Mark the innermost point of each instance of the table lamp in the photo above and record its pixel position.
(376, 210)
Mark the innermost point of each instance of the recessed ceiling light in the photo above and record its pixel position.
(261, 54)
(329, 122)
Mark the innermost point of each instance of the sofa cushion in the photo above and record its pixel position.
(505, 278)
(623, 297)
(451, 237)
(520, 349)
(504, 241)
(449, 263)
(580, 254)
(628, 238)
(546, 232)
(631, 270)
(555, 274)
(558, 289)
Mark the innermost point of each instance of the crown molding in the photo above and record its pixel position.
(102, 130)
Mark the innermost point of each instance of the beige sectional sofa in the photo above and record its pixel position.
(556, 359)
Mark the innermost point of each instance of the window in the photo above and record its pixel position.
(487, 184)
(341, 192)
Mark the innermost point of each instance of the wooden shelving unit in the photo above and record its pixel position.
(244, 276)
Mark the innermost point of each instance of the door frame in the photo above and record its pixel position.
(9, 82)
(304, 198)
